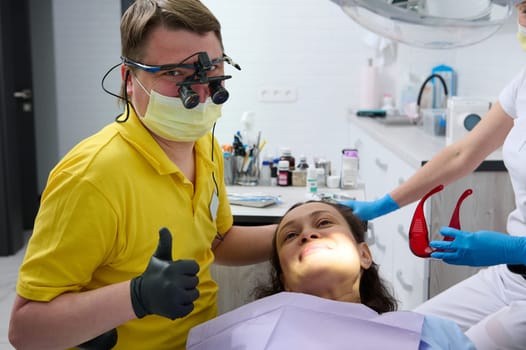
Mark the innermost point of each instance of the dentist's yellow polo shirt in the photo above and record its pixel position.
(99, 222)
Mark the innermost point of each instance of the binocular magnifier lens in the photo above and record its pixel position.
(190, 98)
(218, 93)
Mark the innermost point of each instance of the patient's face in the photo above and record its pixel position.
(318, 253)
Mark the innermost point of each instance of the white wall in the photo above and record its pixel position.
(310, 46)
(87, 44)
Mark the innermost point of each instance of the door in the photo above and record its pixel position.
(18, 184)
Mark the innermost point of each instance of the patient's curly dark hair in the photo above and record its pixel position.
(373, 291)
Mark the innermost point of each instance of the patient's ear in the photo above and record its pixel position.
(366, 258)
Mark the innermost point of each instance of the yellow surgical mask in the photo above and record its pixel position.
(521, 36)
(167, 117)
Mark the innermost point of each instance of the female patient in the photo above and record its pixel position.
(325, 293)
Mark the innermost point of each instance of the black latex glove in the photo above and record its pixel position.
(104, 341)
(167, 288)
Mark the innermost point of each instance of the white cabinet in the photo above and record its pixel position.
(486, 209)
(382, 170)
(388, 156)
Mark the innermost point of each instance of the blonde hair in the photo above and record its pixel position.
(145, 15)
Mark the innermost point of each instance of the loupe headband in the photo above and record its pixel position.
(200, 69)
(204, 63)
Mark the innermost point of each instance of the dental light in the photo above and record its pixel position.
(432, 24)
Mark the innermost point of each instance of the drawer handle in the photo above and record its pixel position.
(372, 237)
(407, 286)
(380, 246)
(381, 164)
(401, 231)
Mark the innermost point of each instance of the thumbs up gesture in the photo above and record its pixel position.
(166, 288)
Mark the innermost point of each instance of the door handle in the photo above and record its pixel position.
(402, 232)
(25, 94)
(383, 166)
(400, 277)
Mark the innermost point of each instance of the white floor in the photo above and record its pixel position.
(8, 275)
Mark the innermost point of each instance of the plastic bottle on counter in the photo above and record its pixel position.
(228, 169)
(264, 175)
(388, 105)
(284, 178)
(299, 176)
(286, 154)
(312, 183)
(320, 175)
(409, 95)
(302, 165)
(274, 172)
(349, 174)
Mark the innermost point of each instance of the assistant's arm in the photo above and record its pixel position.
(459, 158)
(450, 164)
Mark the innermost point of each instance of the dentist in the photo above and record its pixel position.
(133, 216)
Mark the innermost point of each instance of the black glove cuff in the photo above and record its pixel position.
(518, 269)
(135, 292)
(105, 341)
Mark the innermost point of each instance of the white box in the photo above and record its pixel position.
(463, 114)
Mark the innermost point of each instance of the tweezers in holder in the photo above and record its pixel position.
(418, 232)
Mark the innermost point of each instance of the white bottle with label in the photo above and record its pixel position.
(349, 175)
(312, 183)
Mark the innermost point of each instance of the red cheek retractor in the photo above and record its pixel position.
(418, 232)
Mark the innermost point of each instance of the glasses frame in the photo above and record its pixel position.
(203, 65)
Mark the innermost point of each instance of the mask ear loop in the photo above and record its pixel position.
(126, 102)
(418, 232)
(125, 99)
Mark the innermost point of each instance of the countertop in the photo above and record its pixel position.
(412, 144)
(289, 196)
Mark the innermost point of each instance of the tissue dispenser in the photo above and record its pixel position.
(463, 114)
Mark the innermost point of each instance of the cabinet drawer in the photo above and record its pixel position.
(380, 243)
(410, 273)
(381, 171)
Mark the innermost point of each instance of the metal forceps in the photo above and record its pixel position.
(418, 232)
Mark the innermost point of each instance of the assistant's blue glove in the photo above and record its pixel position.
(482, 248)
(373, 209)
(167, 288)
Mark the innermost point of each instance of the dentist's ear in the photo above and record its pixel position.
(123, 71)
(366, 258)
(125, 76)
